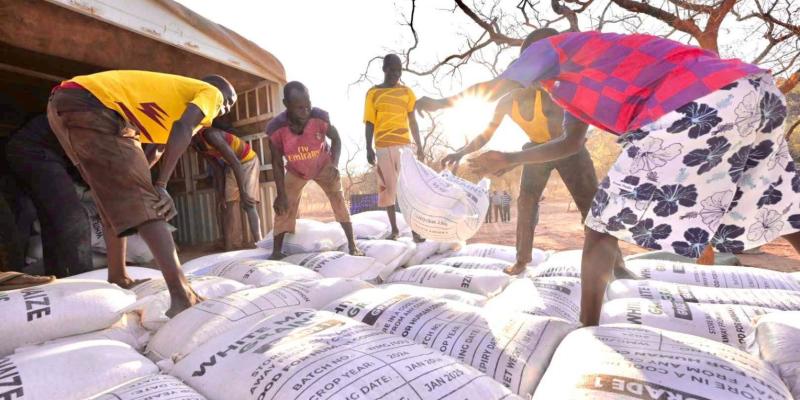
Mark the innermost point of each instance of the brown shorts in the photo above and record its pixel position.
(250, 170)
(107, 152)
(330, 182)
(387, 167)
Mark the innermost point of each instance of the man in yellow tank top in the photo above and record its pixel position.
(533, 111)
(389, 117)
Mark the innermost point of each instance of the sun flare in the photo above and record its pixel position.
(467, 119)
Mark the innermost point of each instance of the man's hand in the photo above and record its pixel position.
(370, 155)
(281, 205)
(452, 159)
(420, 154)
(221, 203)
(490, 163)
(428, 104)
(165, 206)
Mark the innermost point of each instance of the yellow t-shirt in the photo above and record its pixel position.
(152, 101)
(387, 109)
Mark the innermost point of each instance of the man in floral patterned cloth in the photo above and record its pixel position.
(704, 158)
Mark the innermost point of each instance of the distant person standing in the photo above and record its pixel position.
(235, 169)
(497, 205)
(388, 119)
(506, 206)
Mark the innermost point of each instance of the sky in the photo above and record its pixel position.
(327, 44)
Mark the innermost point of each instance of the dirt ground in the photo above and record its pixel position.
(559, 229)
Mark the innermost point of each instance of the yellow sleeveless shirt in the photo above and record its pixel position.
(537, 130)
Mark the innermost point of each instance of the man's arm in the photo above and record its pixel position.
(489, 90)
(153, 152)
(495, 162)
(336, 144)
(538, 62)
(564, 146)
(414, 127)
(369, 131)
(179, 138)
(215, 138)
(502, 109)
(281, 202)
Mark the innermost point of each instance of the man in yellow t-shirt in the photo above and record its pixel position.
(101, 121)
(389, 117)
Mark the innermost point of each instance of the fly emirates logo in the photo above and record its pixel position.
(304, 153)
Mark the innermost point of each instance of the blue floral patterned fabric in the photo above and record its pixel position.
(716, 170)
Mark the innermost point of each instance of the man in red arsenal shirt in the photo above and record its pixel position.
(704, 159)
(299, 135)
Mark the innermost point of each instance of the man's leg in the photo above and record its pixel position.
(233, 225)
(331, 183)
(293, 186)
(254, 222)
(7, 238)
(387, 169)
(66, 228)
(116, 249)
(159, 240)
(601, 254)
(392, 214)
(251, 185)
(532, 183)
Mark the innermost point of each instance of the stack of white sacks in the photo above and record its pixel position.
(418, 321)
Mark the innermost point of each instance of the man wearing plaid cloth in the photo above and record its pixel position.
(704, 158)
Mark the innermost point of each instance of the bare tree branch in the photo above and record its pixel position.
(494, 36)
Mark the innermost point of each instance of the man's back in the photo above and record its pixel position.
(152, 101)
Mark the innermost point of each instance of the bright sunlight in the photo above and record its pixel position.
(467, 119)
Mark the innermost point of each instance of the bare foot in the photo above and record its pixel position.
(180, 303)
(417, 237)
(277, 256)
(126, 282)
(355, 251)
(394, 235)
(516, 269)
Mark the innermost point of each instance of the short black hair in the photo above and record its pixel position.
(292, 86)
(220, 83)
(392, 57)
(537, 35)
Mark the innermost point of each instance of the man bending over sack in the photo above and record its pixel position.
(540, 118)
(235, 168)
(704, 159)
(101, 121)
(389, 117)
(299, 135)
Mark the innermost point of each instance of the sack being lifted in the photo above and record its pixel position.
(440, 206)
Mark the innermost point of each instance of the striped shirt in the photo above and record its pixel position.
(241, 148)
(387, 110)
